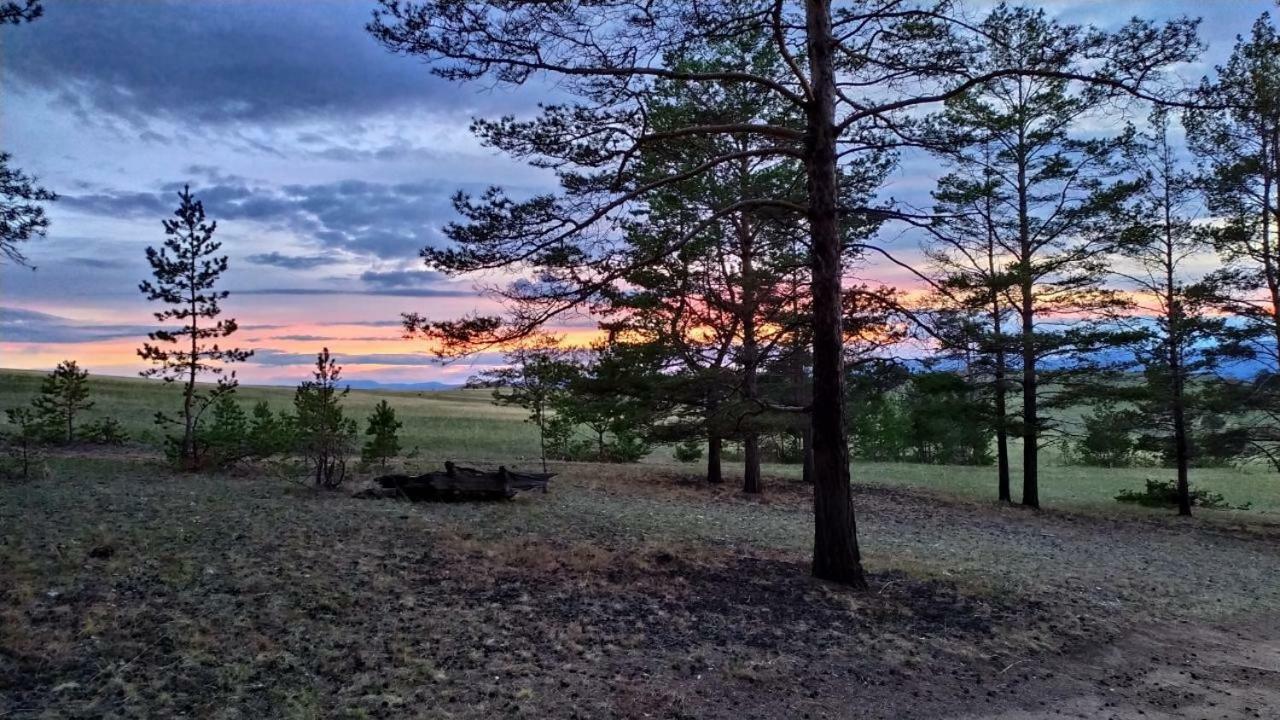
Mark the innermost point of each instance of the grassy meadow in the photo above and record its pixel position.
(455, 423)
(465, 425)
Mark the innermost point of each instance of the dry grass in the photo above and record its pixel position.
(126, 591)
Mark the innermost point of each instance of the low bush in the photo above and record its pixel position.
(107, 431)
(22, 445)
(687, 451)
(1164, 493)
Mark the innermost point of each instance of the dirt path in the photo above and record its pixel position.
(1163, 673)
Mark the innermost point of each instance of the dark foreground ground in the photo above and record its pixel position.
(126, 591)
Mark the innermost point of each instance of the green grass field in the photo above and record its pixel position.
(465, 425)
(455, 423)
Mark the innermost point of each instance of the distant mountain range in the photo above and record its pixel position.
(400, 387)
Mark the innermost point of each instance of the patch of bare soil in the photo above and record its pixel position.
(1170, 672)
(147, 595)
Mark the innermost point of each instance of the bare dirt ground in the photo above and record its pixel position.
(126, 591)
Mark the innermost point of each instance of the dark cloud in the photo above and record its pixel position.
(293, 262)
(214, 62)
(392, 292)
(365, 218)
(29, 326)
(273, 357)
(96, 263)
(402, 278)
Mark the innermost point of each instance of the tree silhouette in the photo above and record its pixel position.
(186, 271)
(63, 394)
(21, 215)
(850, 74)
(383, 443)
(1237, 138)
(16, 12)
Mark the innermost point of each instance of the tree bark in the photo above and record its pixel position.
(1030, 421)
(835, 543)
(751, 481)
(806, 441)
(1180, 448)
(714, 445)
(1002, 432)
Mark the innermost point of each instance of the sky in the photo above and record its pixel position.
(327, 162)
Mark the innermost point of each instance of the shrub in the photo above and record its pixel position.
(1108, 440)
(688, 451)
(107, 431)
(270, 433)
(23, 456)
(383, 443)
(1164, 493)
(225, 440)
(325, 436)
(63, 394)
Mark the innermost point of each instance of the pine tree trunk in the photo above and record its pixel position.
(1002, 431)
(1181, 453)
(806, 440)
(1030, 420)
(714, 446)
(835, 542)
(751, 481)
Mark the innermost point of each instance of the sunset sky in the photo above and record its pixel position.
(327, 162)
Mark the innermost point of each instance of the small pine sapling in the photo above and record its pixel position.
(325, 436)
(63, 394)
(22, 443)
(384, 442)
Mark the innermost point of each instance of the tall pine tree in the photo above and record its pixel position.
(851, 72)
(186, 271)
(1055, 199)
(1238, 143)
(1179, 330)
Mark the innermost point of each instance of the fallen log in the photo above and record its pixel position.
(457, 483)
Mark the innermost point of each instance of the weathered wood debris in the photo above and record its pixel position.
(457, 483)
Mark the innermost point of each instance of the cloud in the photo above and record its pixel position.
(96, 263)
(214, 62)
(402, 278)
(402, 292)
(18, 325)
(292, 262)
(386, 220)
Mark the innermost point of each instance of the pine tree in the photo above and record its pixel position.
(383, 443)
(186, 271)
(536, 372)
(21, 215)
(1179, 330)
(853, 70)
(325, 435)
(16, 12)
(1039, 210)
(63, 394)
(23, 444)
(1237, 138)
